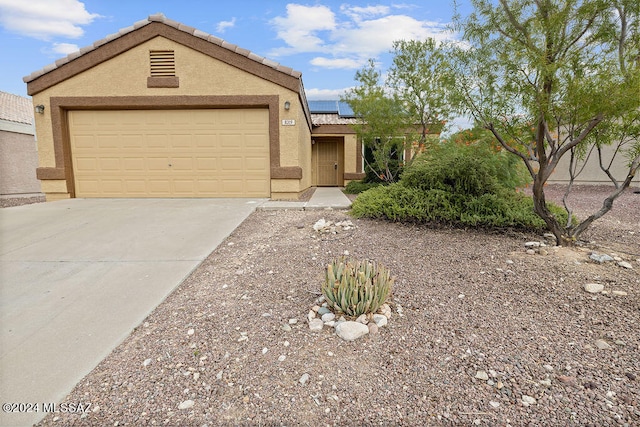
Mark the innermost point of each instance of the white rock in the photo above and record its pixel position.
(528, 400)
(293, 321)
(191, 332)
(494, 404)
(324, 309)
(330, 323)
(531, 252)
(304, 378)
(282, 358)
(186, 404)
(328, 317)
(593, 288)
(196, 376)
(362, 319)
(350, 331)
(311, 315)
(265, 350)
(600, 258)
(602, 344)
(548, 367)
(320, 224)
(380, 320)
(146, 362)
(316, 324)
(482, 375)
(619, 293)
(625, 264)
(531, 245)
(546, 383)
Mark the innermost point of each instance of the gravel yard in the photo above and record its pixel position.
(488, 335)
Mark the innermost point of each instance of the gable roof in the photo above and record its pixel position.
(158, 25)
(14, 108)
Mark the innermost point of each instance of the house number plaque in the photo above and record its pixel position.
(289, 122)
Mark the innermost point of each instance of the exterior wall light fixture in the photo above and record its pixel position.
(40, 109)
(287, 105)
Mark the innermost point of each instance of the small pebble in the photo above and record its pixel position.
(304, 378)
(482, 375)
(187, 404)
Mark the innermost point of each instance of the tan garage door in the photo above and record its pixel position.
(170, 153)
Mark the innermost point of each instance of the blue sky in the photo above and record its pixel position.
(327, 40)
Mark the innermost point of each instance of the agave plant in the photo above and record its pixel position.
(356, 287)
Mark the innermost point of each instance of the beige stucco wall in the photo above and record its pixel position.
(350, 154)
(199, 74)
(18, 162)
(592, 174)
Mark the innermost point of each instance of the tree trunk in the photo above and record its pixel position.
(540, 207)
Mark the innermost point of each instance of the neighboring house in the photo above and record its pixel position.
(592, 173)
(18, 153)
(161, 109)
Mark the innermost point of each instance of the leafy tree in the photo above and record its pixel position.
(551, 78)
(404, 109)
(419, 80)
(381, 122)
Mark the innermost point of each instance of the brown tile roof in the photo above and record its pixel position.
(331, 119)
(159, 17)
(14, 108)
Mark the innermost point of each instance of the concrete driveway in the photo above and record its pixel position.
(76, 276)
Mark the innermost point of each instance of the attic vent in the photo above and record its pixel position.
(163, 63)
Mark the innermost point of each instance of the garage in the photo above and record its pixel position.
(163, 110)
(170, 153)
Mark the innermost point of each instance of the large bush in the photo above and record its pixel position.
(459, 183)
(357, 187)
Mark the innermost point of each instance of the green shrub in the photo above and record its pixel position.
(356, 287)
(458, 183)
(474, 169)
(397, 202)
(357, 187)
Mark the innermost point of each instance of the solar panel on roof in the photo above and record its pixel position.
(323, 107)
(344, 110)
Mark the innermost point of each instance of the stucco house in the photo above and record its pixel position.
(161, 109)
(18, 154)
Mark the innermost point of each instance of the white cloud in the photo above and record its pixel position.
(300, 27)
(349, 39)
(323, 94)
(44, 19)
(224, 25)
(357, 13)
(65, 48)
(347, 63)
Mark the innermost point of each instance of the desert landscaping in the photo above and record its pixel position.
(481, 332)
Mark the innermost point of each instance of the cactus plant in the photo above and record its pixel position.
(356, 287)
